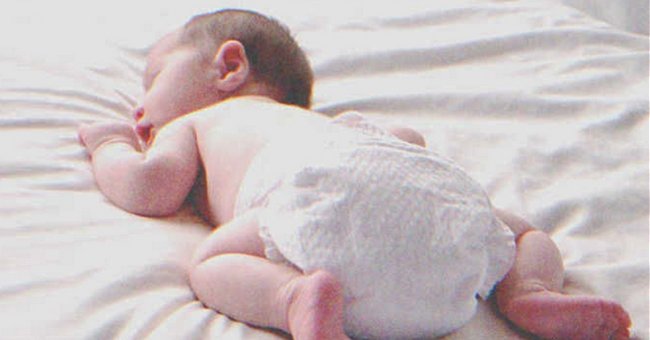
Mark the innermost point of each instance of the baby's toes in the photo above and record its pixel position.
(625, 323)
(617, 322)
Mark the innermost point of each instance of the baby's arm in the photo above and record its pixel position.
(151, 183)
(406, 134)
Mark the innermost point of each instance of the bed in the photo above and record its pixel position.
(544, 102)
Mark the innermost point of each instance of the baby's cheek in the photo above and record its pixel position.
(161, 107)
(157, 98)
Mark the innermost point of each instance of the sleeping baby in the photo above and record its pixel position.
(326, 228)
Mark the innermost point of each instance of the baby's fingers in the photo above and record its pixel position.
(82, 132)
(93, 135)
(90, 134)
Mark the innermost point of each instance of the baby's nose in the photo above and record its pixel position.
(138, 113)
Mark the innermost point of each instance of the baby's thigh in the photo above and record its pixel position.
(239, 236)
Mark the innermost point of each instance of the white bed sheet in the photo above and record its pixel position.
(545, 105)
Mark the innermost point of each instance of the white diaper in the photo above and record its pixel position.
(411, 237)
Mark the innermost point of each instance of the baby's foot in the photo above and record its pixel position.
(316, 308)
(558, 316)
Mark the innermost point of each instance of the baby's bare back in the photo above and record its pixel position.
(229, 135)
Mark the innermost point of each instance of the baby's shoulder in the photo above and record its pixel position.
(264, 114)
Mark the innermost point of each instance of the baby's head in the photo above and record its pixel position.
(276, 61)
(220, 55)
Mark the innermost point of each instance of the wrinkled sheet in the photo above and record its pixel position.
(543, 102)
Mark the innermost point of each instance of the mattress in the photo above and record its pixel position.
(545, 103)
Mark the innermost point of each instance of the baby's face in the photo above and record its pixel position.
(177, 81)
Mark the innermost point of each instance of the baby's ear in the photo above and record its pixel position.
(232, 65)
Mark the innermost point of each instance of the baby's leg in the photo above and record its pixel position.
(257, 291)
(530, 295)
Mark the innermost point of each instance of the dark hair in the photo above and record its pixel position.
(276, 59)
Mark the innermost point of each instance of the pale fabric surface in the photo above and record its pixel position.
(545, 105)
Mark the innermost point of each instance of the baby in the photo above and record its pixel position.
(305, 241)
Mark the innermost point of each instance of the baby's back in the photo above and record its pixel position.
(230, 134)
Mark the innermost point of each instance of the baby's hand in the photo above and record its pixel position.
(92, 136)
